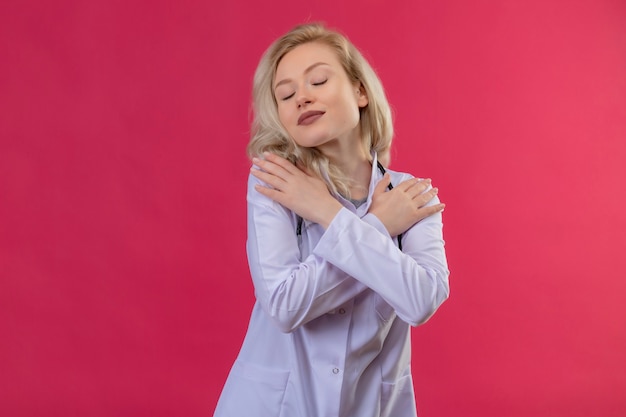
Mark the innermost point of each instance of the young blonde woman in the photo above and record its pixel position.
(345, 255)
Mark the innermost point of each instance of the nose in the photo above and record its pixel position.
(303, 97)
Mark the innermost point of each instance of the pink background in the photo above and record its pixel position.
(124, 286)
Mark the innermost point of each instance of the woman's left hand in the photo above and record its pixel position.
(405, 205)
(305, 194)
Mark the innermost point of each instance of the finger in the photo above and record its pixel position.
(418, 186)
(424, 212)
(282, 162)
(268, 178)
(426, 197)
(271, 167)
(270, 193)
(382, 184)
(407, 184)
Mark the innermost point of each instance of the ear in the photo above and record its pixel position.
(361, 96)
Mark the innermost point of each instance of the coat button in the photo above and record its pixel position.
(335, 370)
(342, 311)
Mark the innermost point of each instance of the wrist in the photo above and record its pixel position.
(329, 213)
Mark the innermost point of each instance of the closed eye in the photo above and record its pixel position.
(320, 82)
(288, 97)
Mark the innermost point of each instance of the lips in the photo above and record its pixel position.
(309, 117)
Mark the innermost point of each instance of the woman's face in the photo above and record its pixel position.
(317, 103)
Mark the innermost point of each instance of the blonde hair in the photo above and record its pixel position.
(268, 134)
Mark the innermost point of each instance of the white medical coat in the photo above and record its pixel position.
(329, 333)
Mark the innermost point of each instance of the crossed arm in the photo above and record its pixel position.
(353, 254)
(308, 196)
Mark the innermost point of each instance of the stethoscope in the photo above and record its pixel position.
(382, 170)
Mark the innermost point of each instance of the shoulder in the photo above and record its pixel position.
(259, 203)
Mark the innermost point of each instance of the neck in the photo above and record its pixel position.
(350, 158)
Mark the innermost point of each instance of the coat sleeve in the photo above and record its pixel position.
(413, 281)
(290, 290)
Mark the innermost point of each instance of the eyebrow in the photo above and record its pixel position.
(307, 70)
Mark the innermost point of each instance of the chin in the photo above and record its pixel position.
(310, 142)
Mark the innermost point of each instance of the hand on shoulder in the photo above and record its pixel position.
(303, 193)
(405, 205)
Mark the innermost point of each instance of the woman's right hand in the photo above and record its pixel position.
(299, 191)
(405, 205)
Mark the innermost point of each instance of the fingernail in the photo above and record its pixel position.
(435, 190)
